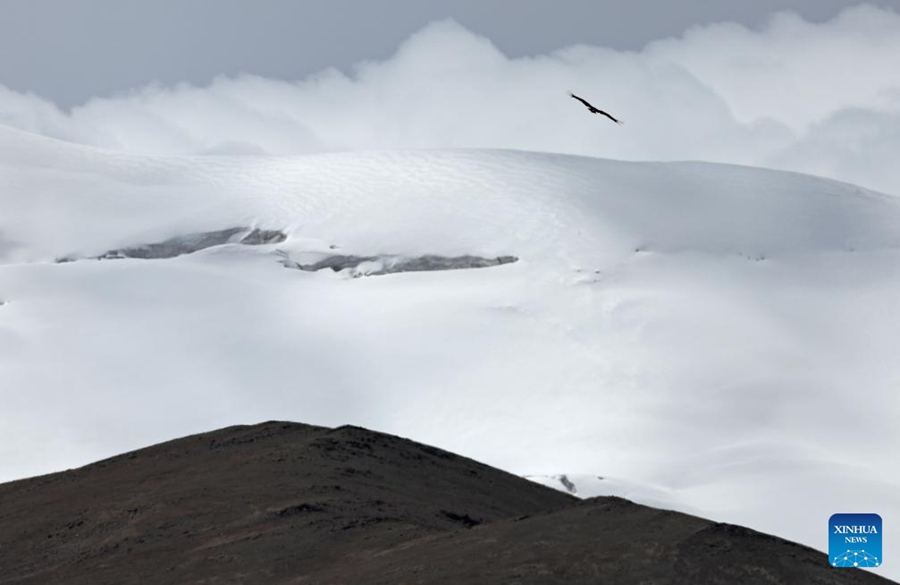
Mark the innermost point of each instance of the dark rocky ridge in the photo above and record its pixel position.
(190, 243)
(394, 264)
(290, 503)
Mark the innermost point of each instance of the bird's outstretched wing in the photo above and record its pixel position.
(608, 116)
(585, 102)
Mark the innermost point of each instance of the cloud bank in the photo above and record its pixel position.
(817, 98)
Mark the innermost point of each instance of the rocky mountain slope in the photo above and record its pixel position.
(282, 502)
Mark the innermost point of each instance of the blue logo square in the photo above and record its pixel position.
(854, 540)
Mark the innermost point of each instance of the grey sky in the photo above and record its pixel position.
(70, 50)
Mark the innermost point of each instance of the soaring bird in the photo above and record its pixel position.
(592, 109)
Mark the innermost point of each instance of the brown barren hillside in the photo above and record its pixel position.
(283, 502)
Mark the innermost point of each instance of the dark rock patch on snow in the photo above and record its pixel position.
(378, 265)
(258, 237)
(188, 244)
(567, 483)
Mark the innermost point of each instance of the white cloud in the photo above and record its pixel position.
(819, 98)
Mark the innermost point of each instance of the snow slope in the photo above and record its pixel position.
(723, 338)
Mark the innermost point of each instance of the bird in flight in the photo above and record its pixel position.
(592, 109)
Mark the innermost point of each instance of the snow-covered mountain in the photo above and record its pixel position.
(720, 339)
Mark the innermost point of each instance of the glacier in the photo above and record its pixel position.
(711, 338)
